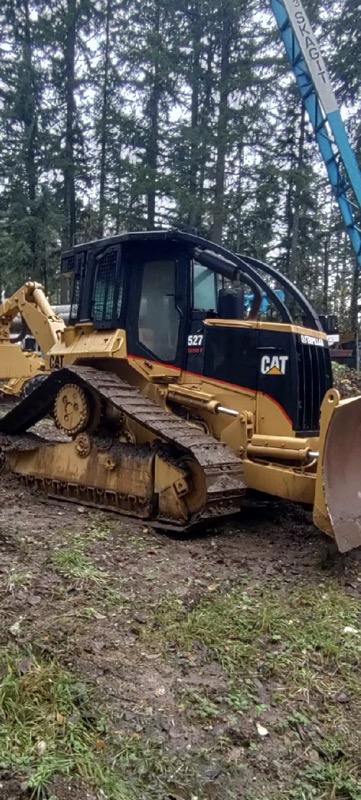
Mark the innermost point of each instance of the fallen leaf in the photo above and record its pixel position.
(261, 730)
(160, 691)
(60, 719)
(152, 656)
(235, 754)
(141, 618)
(25, 665)
(41, 747)
(98, 644)
(100, 744)
(15, 628)
(34, 599)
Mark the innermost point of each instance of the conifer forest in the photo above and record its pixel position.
(123, 115)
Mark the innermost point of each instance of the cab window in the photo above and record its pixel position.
(204, 288)
(75, 297)
(159, 318)
(108, 287)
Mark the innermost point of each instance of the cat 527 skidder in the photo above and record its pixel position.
(174, 402)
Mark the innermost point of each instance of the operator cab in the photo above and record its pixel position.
(199, 308)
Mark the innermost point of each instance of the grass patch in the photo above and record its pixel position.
(270, 630)
(303, 642)
(199, 705)
(50, 724)
(16, 579)
(73, 563)
(96, 531)
(326, 782)
(100, 529)
(101, 590)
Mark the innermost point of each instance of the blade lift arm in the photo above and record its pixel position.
(34, 308)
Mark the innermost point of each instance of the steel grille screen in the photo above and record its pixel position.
(313, 384)
(75, 297)
(103, 300)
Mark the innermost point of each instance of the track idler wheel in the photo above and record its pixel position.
(75, 410)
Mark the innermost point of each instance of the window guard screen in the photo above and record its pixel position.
(105, 286)
(75, 296)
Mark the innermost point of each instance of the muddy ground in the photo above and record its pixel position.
(104, 609)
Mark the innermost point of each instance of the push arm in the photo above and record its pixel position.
(31, 303)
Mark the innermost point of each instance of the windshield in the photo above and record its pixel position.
(204, 288)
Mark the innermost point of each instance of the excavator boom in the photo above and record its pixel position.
(17, 366)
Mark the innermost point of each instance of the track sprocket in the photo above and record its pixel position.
(72, 409)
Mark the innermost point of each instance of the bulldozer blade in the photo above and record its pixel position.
(337, 508)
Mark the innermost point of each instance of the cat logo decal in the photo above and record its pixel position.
(274, 365)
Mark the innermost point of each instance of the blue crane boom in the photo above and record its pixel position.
(320, 101)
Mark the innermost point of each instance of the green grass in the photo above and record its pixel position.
(326, 782)
(48, 726)
(305, 643)
(199, 705)
(16, 578)
(51, 724)
(300, 644)
(102, 590)
(71, 562)
(267, 630)
(100, 529)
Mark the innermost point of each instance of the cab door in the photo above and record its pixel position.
(158, 292)
(203, 305)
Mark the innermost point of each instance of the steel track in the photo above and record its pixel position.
(222, 469)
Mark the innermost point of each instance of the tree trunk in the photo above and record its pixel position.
(205, 117)
(222, 124)
(240, 149)
(354, 299)
(103, 123)
(30, 119)
(289, 221)
(326, 260)
(326, 264)
(30, 135)
(194, 131)
(69, 167)
(294, 254)
(151, 155)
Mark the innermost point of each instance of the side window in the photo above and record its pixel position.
(75, 285)
(204, 288)
(159, 318)
(107, 287)
(75, 297)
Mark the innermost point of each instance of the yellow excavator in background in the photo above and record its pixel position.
(174, 402)
(20, 368)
